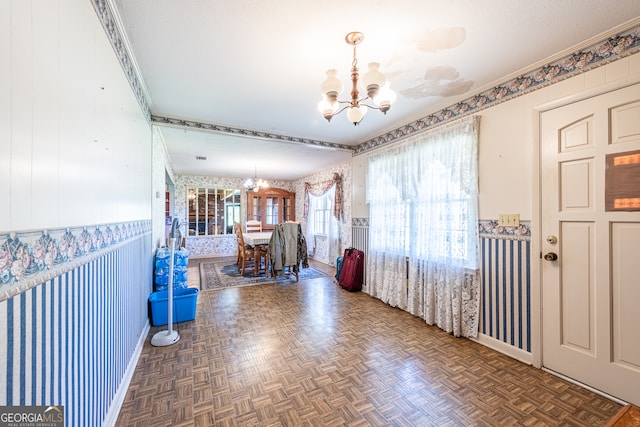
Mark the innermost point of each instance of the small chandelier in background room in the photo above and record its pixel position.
(376, 85)
(255, 184)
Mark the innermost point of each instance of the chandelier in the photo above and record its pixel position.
(255, 184)
(379, 94)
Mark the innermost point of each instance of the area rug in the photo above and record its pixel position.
(223, 273)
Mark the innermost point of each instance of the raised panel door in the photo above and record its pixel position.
(590, 292)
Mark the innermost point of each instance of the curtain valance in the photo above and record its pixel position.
(319, 188)
(407, 161)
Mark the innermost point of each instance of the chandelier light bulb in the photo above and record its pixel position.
(355, 114)
(373, 80)
(332, 87)
(328, 108)
(385, 98)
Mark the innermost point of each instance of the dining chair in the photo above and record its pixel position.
(247, 253)
(253, 225)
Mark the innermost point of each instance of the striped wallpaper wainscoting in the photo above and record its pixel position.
(69, 340)
(505, 311)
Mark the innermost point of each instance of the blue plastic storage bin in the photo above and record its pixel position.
(184, 305)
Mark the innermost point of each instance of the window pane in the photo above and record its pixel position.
(232, 210)
(192, 209)
(212, 211)
(272, 210)
(256, 214)
(201, 213)
(212, 204)
(322, 215)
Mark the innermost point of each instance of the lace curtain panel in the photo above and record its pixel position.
(314, 193)
(315, 204)
(423, 233)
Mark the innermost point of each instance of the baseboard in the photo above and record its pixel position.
(578, 383)
(116, 404)
(209, 256)
(504, 348)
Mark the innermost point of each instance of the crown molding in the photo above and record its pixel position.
(228, 130)
(112, 26)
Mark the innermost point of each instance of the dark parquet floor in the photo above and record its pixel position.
(311, 354)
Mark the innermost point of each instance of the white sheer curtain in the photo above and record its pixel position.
(314, 203)
(423, 227)
(331, 192)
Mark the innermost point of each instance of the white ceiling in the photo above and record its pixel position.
(258, 64)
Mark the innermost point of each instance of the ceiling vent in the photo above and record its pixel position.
(201, 157)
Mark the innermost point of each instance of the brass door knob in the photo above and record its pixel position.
(551, 256)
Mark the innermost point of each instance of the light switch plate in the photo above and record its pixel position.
(509, 220)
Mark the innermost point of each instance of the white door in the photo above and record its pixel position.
(590, 207)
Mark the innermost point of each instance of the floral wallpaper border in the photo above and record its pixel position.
(486, 228)
(30, 258)
(491, 229)
(160, 120)
(359, 222)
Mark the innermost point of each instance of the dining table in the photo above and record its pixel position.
(255, 240)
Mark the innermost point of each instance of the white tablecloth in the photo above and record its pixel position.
(257, 238)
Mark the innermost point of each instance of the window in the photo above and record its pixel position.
(321, 215)
(212, 211)
(449, 213)
(423, 226)
(323, 227)
(423, 200)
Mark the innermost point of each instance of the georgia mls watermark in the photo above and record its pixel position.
(31, 416)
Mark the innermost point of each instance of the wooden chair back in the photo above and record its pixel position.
(238, 230)
(253, 225)
(247, 253)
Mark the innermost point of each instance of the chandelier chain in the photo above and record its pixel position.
(354, 64)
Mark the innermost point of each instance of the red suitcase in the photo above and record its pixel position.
(352, 269)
